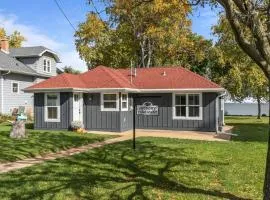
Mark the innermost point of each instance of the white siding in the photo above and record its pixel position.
(39, 67)
(13, 100)
(1, 81)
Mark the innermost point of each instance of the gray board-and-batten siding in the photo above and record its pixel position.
(66, 112)
(118, 121)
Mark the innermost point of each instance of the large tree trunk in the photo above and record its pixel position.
(259, 107)
(142, 45)
(266, 189)
(18, 130)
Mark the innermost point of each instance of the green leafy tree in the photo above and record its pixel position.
(15, 39)
(71, 70)
(154, 34)
(244, 78)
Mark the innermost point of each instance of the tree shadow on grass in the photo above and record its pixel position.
(37, 143)
(115, 172)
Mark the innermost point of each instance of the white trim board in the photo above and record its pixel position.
(125, 90)
(109, 109)
(57, 105)
(124, 109)
(52, 52)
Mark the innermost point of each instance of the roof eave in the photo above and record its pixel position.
(19, 72)
(182, 90)
(86, 90)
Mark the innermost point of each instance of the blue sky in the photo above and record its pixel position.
(42, 23)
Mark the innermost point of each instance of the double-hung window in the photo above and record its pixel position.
(187, 106)
(15, 87)
(47, 65)
(124, 102)
(52, 107)
(109, 102)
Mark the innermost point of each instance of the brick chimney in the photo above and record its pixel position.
(4, 45)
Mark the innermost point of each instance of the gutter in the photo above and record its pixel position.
(124, 90)
(217, 111)
(2, 89)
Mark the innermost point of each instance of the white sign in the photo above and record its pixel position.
(147, 109)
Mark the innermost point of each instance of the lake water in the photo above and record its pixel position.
(245, 108)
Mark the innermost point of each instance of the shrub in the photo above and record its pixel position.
(29, 125)
(76, 125)
(5, 118)
(264, 115)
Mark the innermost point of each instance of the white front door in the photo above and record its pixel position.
(77, 107)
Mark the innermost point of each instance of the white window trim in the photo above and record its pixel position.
(57, 105)
(187, 117)
(109, 109)
(124, 109)
(46, 61)
(12, 87)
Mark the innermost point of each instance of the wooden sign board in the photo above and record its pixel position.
(147, 108)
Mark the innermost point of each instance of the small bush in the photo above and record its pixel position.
(75, 125)
(29, 125)
(264, 115)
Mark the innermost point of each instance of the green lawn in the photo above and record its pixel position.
(159, 169)
(40, 142)
(249, 129)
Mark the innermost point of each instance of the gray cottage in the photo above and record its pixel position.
(105, 99)
(21, 68)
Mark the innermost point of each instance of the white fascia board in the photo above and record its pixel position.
(52, 52)
(84, 90)
(87, 90)
(183, 90)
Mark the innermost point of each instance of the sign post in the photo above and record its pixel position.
(134, 124)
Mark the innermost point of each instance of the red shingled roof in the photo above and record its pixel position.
(146, 78)
(168, 78)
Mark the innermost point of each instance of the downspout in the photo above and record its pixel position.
(2, 90)
(218, 111)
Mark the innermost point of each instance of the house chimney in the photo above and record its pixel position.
(4, 45)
